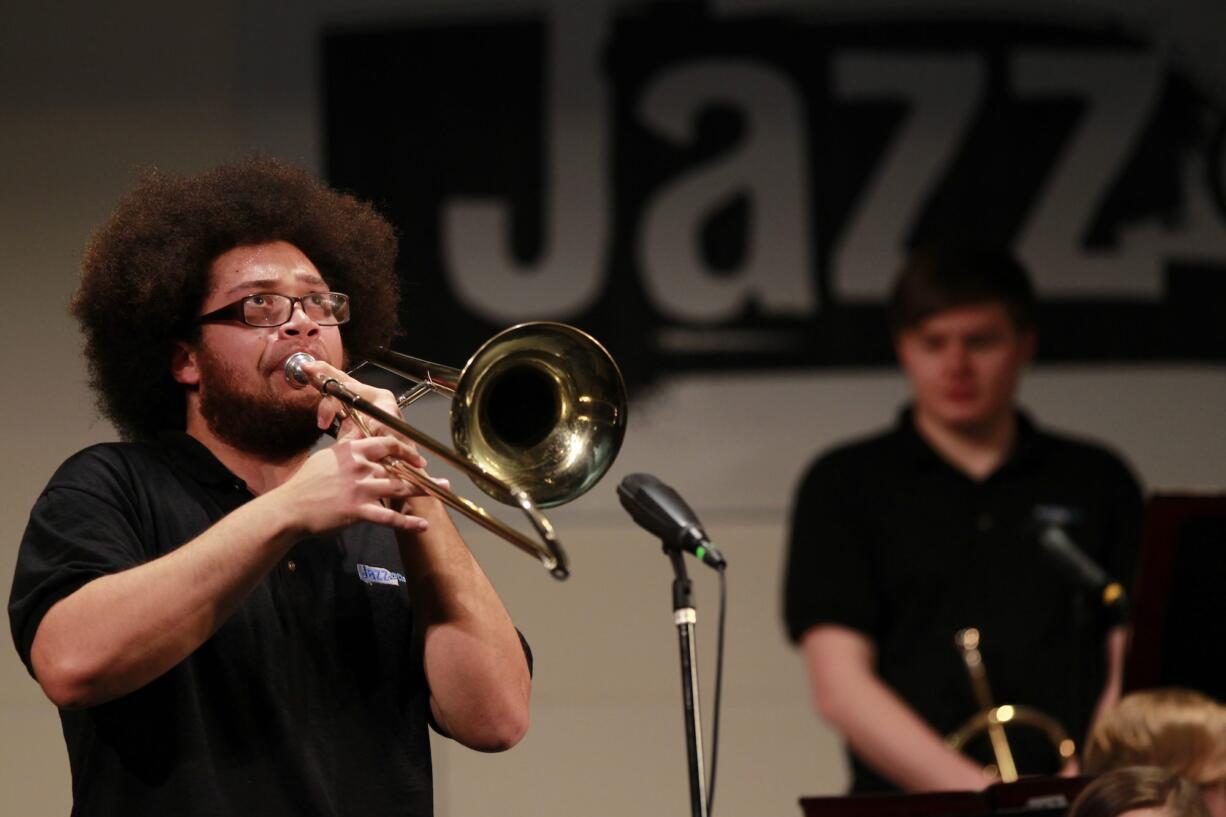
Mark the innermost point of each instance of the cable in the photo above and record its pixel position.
(719, 686)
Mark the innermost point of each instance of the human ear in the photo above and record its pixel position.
(905, 343)
(183, 366)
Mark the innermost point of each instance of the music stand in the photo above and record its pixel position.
(924, 804)
(1179, 615)
(1029, 796)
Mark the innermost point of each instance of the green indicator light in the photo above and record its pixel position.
(700, 552)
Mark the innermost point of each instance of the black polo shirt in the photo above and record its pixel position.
(309, 700)
(891, 540)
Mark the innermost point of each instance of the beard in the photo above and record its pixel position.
(274, 427)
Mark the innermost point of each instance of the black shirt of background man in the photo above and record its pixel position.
(892, 541)
(309, 700)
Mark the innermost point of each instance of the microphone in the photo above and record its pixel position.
(1079, 567)
(658, 509)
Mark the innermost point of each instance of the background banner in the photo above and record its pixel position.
(705, 194)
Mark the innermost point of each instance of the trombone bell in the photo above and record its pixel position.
(539, 407)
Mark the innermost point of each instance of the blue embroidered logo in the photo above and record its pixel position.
(379, 575)
(1058, 515)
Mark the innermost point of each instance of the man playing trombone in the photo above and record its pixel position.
(228, 622)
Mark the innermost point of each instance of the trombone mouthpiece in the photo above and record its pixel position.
(293, 369)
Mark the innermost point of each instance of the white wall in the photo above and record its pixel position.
(89, 94)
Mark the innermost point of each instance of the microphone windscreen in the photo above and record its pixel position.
(655, 506)
(1075, 563)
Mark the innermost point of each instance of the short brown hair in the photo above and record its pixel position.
(950, 274)
(1177, 729)
(146, 274)
(1137, 787)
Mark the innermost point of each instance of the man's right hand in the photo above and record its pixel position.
(347, 483)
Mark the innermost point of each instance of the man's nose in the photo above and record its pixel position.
(299, 323)
(957, 357)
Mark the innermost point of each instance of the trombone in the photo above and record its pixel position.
(992, 719)
(537, 417)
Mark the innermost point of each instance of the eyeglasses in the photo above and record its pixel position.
(274, 309)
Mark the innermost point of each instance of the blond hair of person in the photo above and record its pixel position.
(1177, 729)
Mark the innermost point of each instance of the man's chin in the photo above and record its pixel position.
(280, 440)
(969, 419)
(276, 430)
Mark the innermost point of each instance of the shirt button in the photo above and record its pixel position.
(984, 522)
(291, 565)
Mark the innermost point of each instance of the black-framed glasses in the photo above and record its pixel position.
(274, 309)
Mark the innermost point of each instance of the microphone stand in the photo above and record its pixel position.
(684, 617)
